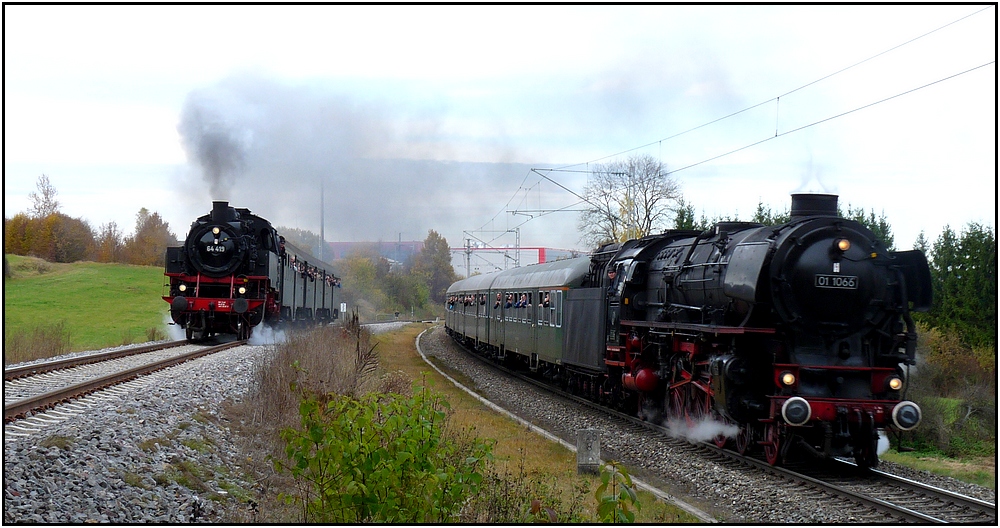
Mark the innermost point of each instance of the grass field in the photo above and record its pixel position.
(96, 305)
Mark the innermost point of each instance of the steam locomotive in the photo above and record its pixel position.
(793, 334)
(235, 271)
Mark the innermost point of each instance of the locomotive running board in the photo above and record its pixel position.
(711, 329)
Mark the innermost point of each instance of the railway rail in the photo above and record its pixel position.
(49, 366)
(23, 407)
(898, 498)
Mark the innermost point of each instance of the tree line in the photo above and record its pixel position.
(373, 281)
(45, 232)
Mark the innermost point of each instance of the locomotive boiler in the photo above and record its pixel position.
(797, 334)
(235, 272)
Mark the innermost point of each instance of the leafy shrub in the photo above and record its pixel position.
(382, 458)
(616, 496)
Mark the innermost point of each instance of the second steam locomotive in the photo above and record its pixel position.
(793, 334)
(235, 272)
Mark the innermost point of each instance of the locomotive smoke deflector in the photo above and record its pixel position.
(805, 205)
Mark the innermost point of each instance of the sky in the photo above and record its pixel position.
(401, 119)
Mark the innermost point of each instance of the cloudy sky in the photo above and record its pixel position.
(412, 118)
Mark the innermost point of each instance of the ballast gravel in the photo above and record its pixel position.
(156, 452)
(159, 451)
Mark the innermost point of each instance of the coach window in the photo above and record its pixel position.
(558, 318)
(529, 309)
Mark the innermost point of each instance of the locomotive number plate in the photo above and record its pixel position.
(843, 282)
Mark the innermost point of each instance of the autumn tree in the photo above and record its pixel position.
(627, 199)
(17, 234)
(149, 243)
(109, 244)
(433, 264)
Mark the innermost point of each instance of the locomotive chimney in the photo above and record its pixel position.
(806, 205)
(220, 212)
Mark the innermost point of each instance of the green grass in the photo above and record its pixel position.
(980, 471)
(99, 305)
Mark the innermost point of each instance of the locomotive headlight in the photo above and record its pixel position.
(242, 290)
(843, 244)
(895, 383)
(788, 379)
(183, 287)
(215, 230)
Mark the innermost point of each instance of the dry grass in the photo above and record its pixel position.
(348, 360)
(340, 360)
(43, 341)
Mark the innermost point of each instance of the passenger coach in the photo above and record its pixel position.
(526, 314)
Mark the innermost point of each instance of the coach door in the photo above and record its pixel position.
(614, 284)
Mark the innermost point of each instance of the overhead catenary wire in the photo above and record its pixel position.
(778, 97)
(777, 132)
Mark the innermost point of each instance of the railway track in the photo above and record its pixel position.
(890, 498)
(16, 407)
(49, 366)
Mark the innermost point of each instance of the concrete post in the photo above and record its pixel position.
(588, 452)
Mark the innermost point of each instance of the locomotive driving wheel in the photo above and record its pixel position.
(689, 398)
(721, 440)
(742, 441)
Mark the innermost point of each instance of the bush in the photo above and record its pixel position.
(955, 387)
(382, 458)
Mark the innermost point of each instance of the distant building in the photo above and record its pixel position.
(483, 260)
(402, 251)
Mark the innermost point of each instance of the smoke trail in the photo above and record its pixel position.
(214, 139)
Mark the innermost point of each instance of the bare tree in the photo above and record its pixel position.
(43, 203)
(627, 199)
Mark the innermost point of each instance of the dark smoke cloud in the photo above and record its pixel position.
(213, 140)
(271, 147)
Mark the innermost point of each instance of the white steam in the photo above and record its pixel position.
(883, 442)
(814, 181)
(174, 332)
(703, 430)
(265, 335)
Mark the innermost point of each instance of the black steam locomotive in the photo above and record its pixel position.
(794, 334)
(234, 272)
